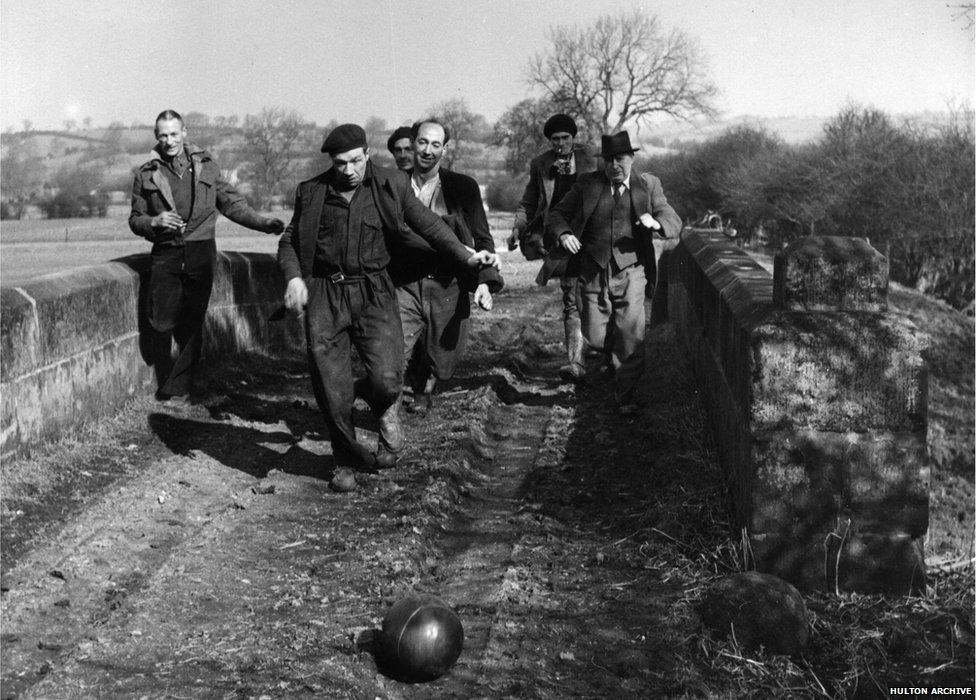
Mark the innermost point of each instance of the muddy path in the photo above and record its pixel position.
(222, 565)
(198, 552)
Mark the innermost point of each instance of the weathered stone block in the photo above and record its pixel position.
(843, 372)
(819, 418)
(846, 557)
(814, 477)
(73, 342)
(18, 330)
(830, 273)
(885, 563)
(82, 307)
(793, 485)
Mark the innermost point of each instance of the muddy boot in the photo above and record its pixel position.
(424, 403)
(574, 369)
(391, 436)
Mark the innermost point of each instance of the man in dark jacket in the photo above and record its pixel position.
(175, 199)
(433, 298)
(607, 222)
(334, 256)
(551, 175)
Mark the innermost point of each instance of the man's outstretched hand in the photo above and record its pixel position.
(274, 225)
(484, 259)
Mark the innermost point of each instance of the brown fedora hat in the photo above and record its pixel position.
(614, 144)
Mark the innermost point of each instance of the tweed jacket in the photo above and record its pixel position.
(466, 216)
(406, 222)
(537, 196)
(151, 195)
(572, 213)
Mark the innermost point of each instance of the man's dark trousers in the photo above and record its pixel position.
(361, 312)
(179, 292)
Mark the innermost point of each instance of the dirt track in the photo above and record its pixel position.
(226, 567)
(199, 552)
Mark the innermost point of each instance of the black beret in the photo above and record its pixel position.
(403, 132)
(344, 137)
(559, 123)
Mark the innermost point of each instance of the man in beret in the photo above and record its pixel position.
(176, 195)
(334, 255)
(607, 221)
(551, 175)
(400, 146)
(433, 297)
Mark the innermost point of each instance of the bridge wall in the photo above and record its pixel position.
(817, 397)
(75, 344)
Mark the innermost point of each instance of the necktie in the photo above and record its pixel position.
(616, 192)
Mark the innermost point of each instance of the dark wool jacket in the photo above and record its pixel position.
(151, 195)
(537, 196)
(531, 212)
(571, 214)
(466, 216)
(406, 222)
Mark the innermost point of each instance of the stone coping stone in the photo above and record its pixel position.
(830, 273)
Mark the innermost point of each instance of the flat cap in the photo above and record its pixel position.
(559, 123)
(344, 137)
(403, 132)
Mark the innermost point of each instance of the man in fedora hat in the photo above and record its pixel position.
(551, 175)
(334, 255)
(609, 219)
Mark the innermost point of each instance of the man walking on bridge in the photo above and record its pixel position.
(551, 175)
(400, 146)
(175, 199)
(334, 255)
(607, 221)
(433, 297)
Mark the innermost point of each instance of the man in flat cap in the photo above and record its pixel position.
(334, 255)
(551, 175)
(176, 195)
(400, 146)
(434, 303)
(608, 221)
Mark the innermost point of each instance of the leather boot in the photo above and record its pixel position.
(574, 369)
(391, 435)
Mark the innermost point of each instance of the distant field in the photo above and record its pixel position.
(42, 246)
(38, 247)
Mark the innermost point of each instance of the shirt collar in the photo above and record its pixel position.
(435, 179)
(625, 183)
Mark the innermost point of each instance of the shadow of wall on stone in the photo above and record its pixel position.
(75, 343)
(818, 401)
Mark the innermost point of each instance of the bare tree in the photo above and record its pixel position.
(273, 139)
(622, 70)
(963, 13)
(467, 128)
(519, 130)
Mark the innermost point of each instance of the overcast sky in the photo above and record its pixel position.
(112, 60)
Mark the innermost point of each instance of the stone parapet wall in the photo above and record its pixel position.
(75, 344)
(818, 402)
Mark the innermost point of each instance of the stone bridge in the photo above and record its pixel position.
(816, 396)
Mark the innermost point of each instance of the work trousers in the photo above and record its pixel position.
(358, 313)
(434, 313)
(612, 315)
(180, 282)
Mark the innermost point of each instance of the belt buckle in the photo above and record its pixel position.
(337, 277)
